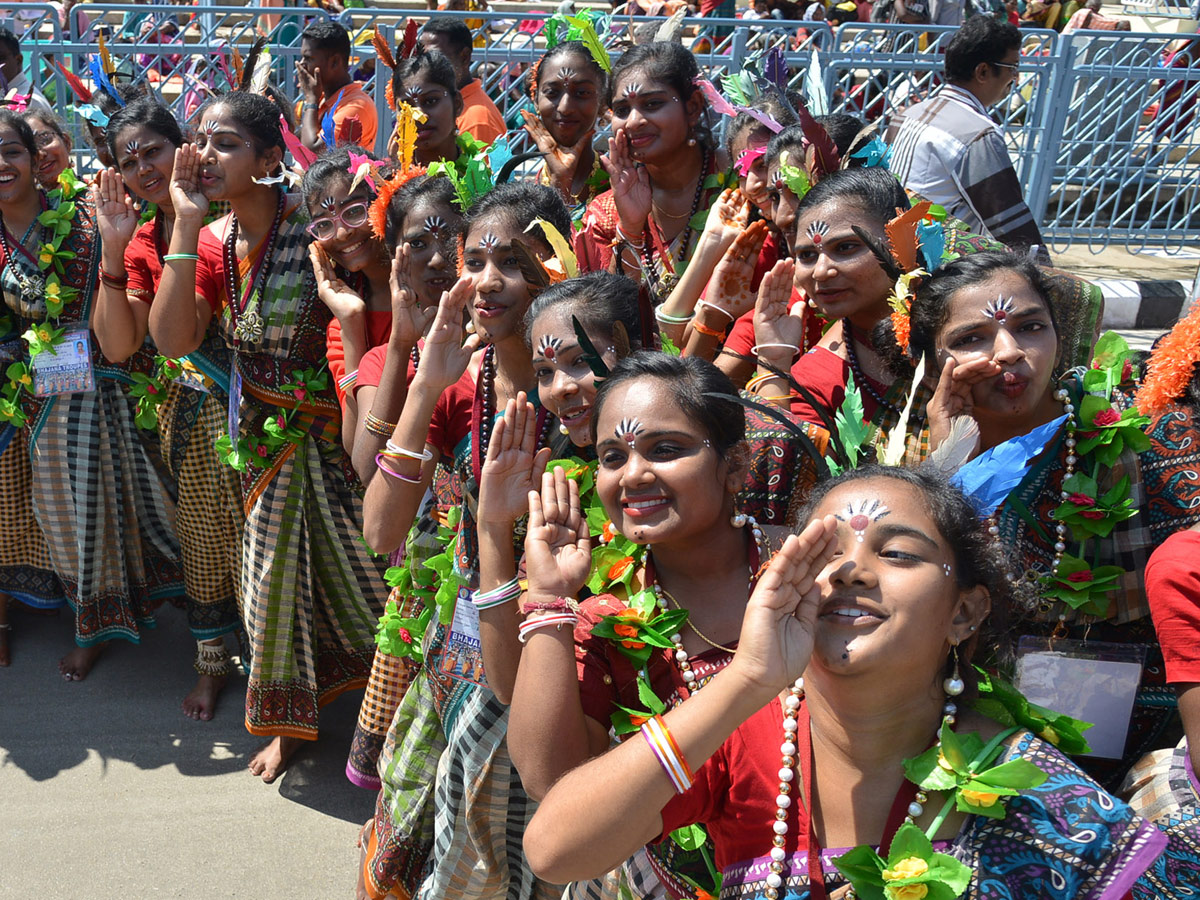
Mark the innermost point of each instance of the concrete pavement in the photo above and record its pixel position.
(107, 792)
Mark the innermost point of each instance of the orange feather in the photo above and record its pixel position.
(382, 51)
(902, 236)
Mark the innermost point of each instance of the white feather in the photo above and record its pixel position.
(668, 31)
(957, 449)
(262, 72)
(814, 87)
(893, 450)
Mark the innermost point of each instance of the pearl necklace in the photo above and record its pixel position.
(787, 774)
(662, 597)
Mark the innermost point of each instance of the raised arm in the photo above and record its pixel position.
(729, 293)
(513, 467)
(583, 810)
(548, 732)
(179, 316)
(393, 499)
(120, 323)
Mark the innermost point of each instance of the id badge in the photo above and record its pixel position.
(65, 368)
(463, 656)
(1089, 680)
(235, 402)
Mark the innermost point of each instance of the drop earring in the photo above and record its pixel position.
(562, 429)
(954, 684)
(738, 520)
(691, 142)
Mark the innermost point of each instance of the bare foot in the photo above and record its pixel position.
(272, 758)
(202, 701)
(76, 664)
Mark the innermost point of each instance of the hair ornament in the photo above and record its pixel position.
(383, 52)
(387, 187)
(748, 158)
(1171, 366)
(101, 80)
(585, 28)
(301, 155)
(723, 107)
(18, 102)
(792, 177)
(363, 168)
(564, 264)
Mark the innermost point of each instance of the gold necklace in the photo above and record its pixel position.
(662, 591)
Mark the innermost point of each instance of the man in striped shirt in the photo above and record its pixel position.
(949, 150)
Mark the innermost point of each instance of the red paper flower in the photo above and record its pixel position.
(405, 635)
(1094, 514)
(619, 568)
(1081, 500)
(1081, 577)
(1106, 417)
(281, 422)
(261, 450)
(151, 390)
(300, 394)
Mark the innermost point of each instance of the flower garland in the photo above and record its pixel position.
(278, 430)
(151, 390)
(59, 220)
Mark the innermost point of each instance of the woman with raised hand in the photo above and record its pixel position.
(672, 458)
(474, 808)
(426, 82)
(185, 401)
(76, 463)
(804, 783)
(352, 269)
(994, 328)
(662, 168)
(310, 591)
(567, 87)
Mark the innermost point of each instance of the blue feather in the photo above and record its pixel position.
(775, 68)
(988, 479)
(874, 153)
(931, 239)
(100, 79)
(499, 153)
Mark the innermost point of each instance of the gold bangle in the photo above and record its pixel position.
(377, 426)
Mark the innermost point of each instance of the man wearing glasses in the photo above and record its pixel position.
(949, 150)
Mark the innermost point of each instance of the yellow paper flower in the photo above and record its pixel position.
(909, 867)
(24, 379)
(905, 891)
(44, 335)
(1049, 734)
(943, 762)
(980, 798)
(46, 255)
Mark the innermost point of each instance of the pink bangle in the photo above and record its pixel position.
(407, 479)
(558, 620)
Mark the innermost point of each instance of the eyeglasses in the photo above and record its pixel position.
(353, 216)
(1014, 66)
(43, 139)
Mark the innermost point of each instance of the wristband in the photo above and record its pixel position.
(505, 593)
(669, 319)
(114, 281)
(623, 238)
(724, 312)
(754, 350)
(307, 105)
(377, 426)
(558, 620)
(705, 330)
(668, 754)
(557, 605)
(380, 461)
(391, 449)
(173, 256)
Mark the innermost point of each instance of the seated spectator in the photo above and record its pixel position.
(1091, 19)
(479, 117)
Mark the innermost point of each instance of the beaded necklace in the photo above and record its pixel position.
(663, 597)
(665, 282)
(860, 377)
(248, 323)
(483, 413)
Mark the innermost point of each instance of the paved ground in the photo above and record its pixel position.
(107, 791)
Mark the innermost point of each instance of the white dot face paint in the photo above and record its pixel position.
(631, 90)
(488, 242)
(413, 94)
(210, 126)
(859, 516)
(566, 73)
(132, 147)
(999, 309)
(548, 346)
(817, 230)
(628, 429)
(434, 224)
(946, 566)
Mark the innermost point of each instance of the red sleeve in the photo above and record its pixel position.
(823, 374)
(142, 265)
(210, 270)
(336, 354)
(1173, 588)
(451, 420)
(593, 242)
(370, 367)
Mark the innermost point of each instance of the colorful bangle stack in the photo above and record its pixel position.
(753, 384)
(348, 381)
(669, 319)
(120, 282)
(382, 462)
(705, 330)
(667, 752)
(558, 620)
(377, 426)
(393, 451)
(506, 593)
(623, 238)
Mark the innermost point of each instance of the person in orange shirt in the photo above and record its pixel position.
(323, 77)
(479, 116)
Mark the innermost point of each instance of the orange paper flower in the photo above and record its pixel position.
(1171, 366)
(388, 187)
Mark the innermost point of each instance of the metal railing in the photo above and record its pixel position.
(1101, 126)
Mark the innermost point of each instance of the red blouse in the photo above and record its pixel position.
(824, 374)
(142, 262)
(1173, 589)
(379, 329)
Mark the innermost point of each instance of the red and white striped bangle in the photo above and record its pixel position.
(558, 620)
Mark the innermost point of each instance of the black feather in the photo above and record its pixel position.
(251, 63)
(590, 354)
(795, 430)
(886, 261)
(532, 270)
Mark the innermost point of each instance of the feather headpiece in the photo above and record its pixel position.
(250, 78)
(1171, 366)
(386, 188)
(78, 88)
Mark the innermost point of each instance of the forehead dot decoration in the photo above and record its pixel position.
(329, 203)
(632, 89)
(628, 429)
(999, 309)
(859, 516)
(434, 224)
(549, 346)
(488, 242)
(210, 126)
(566, 73)
(817, 231)
(131, 147)
(413, 93)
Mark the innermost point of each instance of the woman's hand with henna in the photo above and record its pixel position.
(734, 274)
(727, 218)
